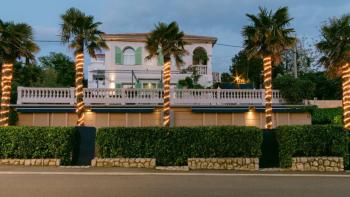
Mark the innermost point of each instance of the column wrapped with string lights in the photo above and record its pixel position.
(6, 82)
(268, 91)
(79, 87)
(166, 92)
(346, 94)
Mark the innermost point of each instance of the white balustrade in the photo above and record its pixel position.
(104, 96)
(122, 96)
(45, 95)
(201, 69)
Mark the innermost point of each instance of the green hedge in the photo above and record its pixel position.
(172, 146)
(38, 142)
(311, 140)
(326, 115)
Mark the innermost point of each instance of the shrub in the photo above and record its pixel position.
(294, 90)
(326, 115)
(311, 140)
(37, 142)
(172, 146)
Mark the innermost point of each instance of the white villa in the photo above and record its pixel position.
(125, 65)
(125, 89)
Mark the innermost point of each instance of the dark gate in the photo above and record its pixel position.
(269, 149)
(85, 147)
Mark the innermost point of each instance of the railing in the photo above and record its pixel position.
(102, 96)
(201, 69)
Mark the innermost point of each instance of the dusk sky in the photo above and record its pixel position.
(223, 19)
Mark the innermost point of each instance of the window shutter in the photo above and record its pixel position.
(138, 85)
(138, 56)
(118, 56)
(160, 85)
(118, 85)
(160, 58)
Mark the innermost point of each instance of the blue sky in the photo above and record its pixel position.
(223, 19)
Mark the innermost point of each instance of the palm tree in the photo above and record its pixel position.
(82, 34)
(266, 37)
(335, 47)
(16, 41)
(166, 41)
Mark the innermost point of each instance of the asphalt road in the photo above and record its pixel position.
(150, 183)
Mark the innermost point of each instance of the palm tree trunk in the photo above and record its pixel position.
(166, 94)
(79, 87)
(6, 83)
(268, 91)
(346, 95)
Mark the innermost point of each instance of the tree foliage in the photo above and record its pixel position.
(249, 69)
(306, 58)
(226, 77)
(166, 40)
(81, 32)
(294, 90)
(269, 34)
(58, 70)
(325, 88)
(335, 44)
(16, 41)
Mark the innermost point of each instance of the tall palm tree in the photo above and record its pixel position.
(266, 37)
(335, 47)
(16, 41)
(166, 41)
(82, 34)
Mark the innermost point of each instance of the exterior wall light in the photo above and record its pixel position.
(251, 109)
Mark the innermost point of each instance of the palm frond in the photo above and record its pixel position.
(167, 39)
(268, 34)
(81, 32)
(335, 44)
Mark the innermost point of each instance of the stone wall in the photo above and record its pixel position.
(251, 164)
(320, 164)
(124, 162)
(30, 162)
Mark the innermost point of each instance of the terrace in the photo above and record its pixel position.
(152, 97)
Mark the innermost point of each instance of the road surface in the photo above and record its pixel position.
(110, 182)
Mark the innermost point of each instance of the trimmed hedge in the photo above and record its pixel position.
(311, 140)
(38, 142)
(172, 146)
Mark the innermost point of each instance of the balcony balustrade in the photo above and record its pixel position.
(178, 97)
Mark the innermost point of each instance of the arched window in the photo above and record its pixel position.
(200, 56)
(129, 56)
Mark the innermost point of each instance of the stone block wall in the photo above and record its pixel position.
(124, 162)
(30, 162)
(319, 164)
(251, 164)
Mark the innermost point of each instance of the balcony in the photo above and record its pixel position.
(178, 97)
(200, 69)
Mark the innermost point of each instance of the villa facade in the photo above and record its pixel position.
(125, 64)
(125, 89)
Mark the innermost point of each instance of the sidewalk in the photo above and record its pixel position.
(87, 170)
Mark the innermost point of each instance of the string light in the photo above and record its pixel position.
(268, 91)
(79, 69)
(346, 95)
(6, 79)
(166, 104)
